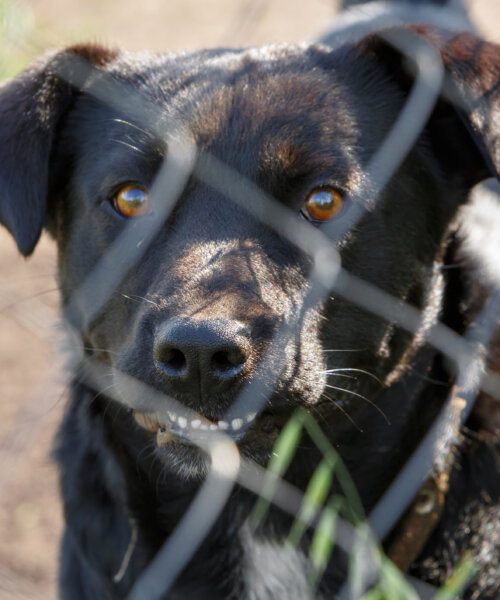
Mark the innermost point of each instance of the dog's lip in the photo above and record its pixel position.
(171, 427)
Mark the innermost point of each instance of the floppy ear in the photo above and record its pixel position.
(464, 127)
(31, 107)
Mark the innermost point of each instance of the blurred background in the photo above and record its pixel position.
(31, 370)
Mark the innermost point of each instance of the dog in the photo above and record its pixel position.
(219, 299)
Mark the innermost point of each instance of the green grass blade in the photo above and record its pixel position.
(457, 582)
(323, 540)
(392, 582)
(341, 472)
(315, 495)
(280, 460)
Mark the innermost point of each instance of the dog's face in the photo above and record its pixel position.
(196, 313)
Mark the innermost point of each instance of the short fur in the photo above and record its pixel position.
(288, 119)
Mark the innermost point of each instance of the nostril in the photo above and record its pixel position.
(201, 356)
(173, 361)
(226, 363)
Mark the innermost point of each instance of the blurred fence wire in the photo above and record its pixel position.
(361, 540)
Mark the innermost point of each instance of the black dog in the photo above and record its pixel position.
(195, 312)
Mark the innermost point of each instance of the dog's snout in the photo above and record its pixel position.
(201, 357)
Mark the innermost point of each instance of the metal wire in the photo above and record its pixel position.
(327, 275)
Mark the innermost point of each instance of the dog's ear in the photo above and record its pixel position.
(31, 107)
(464, 127)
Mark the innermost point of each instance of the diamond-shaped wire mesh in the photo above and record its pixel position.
(327, 276)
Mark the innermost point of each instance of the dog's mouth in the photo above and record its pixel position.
(172, 428)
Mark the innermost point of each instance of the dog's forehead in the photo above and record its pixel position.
(218, 63)
(283, 98)
(189, 78)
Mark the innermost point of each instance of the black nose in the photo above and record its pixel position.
(201, 357)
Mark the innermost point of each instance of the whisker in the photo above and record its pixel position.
(101, 350)
(26, 298)
(135, 148)
(135, 298)
(338, 405)
(100, 393)
(363, 398)
(109, 403)
(427, 378)
(333, 387)
(121, 409)
(346, 350)
(148, 453)
(331, 371)
(134, 126)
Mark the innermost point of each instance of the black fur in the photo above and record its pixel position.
(289, 119)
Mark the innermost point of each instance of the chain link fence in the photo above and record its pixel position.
(312, 508)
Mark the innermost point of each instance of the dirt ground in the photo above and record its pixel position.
(31, 372)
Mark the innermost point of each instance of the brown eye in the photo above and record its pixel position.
(323, 204)
(132, 200)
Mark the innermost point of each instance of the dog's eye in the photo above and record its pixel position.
(322, 204)
(132, 200)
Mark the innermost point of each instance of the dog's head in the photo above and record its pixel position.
(218, 297)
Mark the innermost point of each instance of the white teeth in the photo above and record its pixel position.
(184, 423)
(237, 423)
